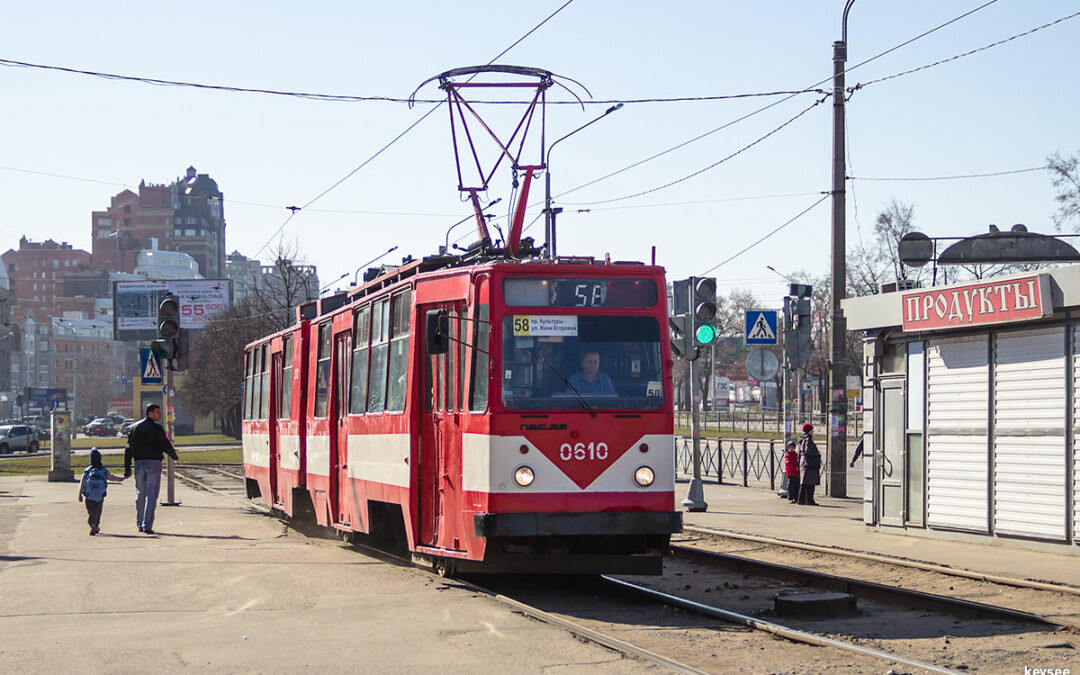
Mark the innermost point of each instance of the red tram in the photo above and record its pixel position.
(495, 415)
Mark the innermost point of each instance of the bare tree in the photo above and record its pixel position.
(1065, 177)
(286, 283)
(214, 382)
(873, 263)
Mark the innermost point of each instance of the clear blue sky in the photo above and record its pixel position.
(1002, 109)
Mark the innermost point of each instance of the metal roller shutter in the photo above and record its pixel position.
(957, 413)
(1029, 433)
(1076, 433)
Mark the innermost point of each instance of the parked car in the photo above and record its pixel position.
(17, 437)
(42, 433)
(102, 426)
(125, 428)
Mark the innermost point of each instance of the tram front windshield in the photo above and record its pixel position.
(561, 362)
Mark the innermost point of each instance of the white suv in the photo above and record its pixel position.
(17, 437)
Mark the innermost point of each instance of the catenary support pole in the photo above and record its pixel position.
(837, 422)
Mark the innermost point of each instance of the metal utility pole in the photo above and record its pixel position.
(838, 326)
(695, 496)
(170, 465)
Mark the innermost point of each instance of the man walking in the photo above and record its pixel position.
(147, 445)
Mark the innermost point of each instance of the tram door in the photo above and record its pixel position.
(273, 416)
(440, 431)
(339, 432)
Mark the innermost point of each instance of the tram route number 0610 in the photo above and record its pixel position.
(582, 451)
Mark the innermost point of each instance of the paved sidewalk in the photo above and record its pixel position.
(222, 587)
(839, 523)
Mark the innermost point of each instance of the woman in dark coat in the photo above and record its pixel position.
(809, 466)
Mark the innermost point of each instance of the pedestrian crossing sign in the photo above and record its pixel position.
(151, 366)
(761, 327)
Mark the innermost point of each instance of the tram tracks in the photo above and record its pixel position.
(705, 615)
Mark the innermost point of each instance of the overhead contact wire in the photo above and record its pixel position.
(792, 220)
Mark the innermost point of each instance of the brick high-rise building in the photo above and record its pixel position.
(185, 216)
(36, 273)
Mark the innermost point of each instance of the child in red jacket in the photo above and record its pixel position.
(791, 470)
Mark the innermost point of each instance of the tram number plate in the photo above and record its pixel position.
(583, 452)
(529, 326)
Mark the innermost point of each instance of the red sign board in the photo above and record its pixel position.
(974, 304)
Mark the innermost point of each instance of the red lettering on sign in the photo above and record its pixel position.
(978, 303)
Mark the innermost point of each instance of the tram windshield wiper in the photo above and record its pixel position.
(572, 388)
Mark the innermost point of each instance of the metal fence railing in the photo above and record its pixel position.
(765, 421)
(747, 462)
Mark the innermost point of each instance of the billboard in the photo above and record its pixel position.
(41, 399)
(135, 304)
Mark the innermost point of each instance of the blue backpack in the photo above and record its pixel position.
(96, 483)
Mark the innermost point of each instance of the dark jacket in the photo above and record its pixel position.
(147, 440)
(809, 456)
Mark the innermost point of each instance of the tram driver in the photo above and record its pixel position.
(590, 380)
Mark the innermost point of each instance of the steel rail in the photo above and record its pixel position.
(774, 628)
(914, 564)
(572, 627)
(622, 646)
(867, 589)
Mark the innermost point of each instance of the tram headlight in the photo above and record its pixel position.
(524, 476)
(644, 476)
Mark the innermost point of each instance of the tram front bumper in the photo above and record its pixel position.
(575, 524)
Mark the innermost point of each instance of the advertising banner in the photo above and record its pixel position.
(136, 303)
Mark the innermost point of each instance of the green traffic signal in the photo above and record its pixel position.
(705, 334)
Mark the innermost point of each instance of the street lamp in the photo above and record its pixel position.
(388, 252)
(838, 327)
(446, 245)
(550, 213)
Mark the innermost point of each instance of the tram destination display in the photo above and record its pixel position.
(579, 292)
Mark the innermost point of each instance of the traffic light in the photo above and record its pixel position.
(168, 317)
(798, 327)
(165, 350)
(682, 340)
(181, 352)
(703, 309)
(168, 331)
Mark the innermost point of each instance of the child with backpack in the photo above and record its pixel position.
(94, 484)
(791, 470)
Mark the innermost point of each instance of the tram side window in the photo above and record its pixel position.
(248, 360)
(322, 372)
(285, 390)
(253, 383)
(462, 337)
(264, 383)
(380, 335)
(400, 310)
(257, 382)
(478, 392)
(358, 394)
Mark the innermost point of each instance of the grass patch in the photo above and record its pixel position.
(121, 441)
(39, 466)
